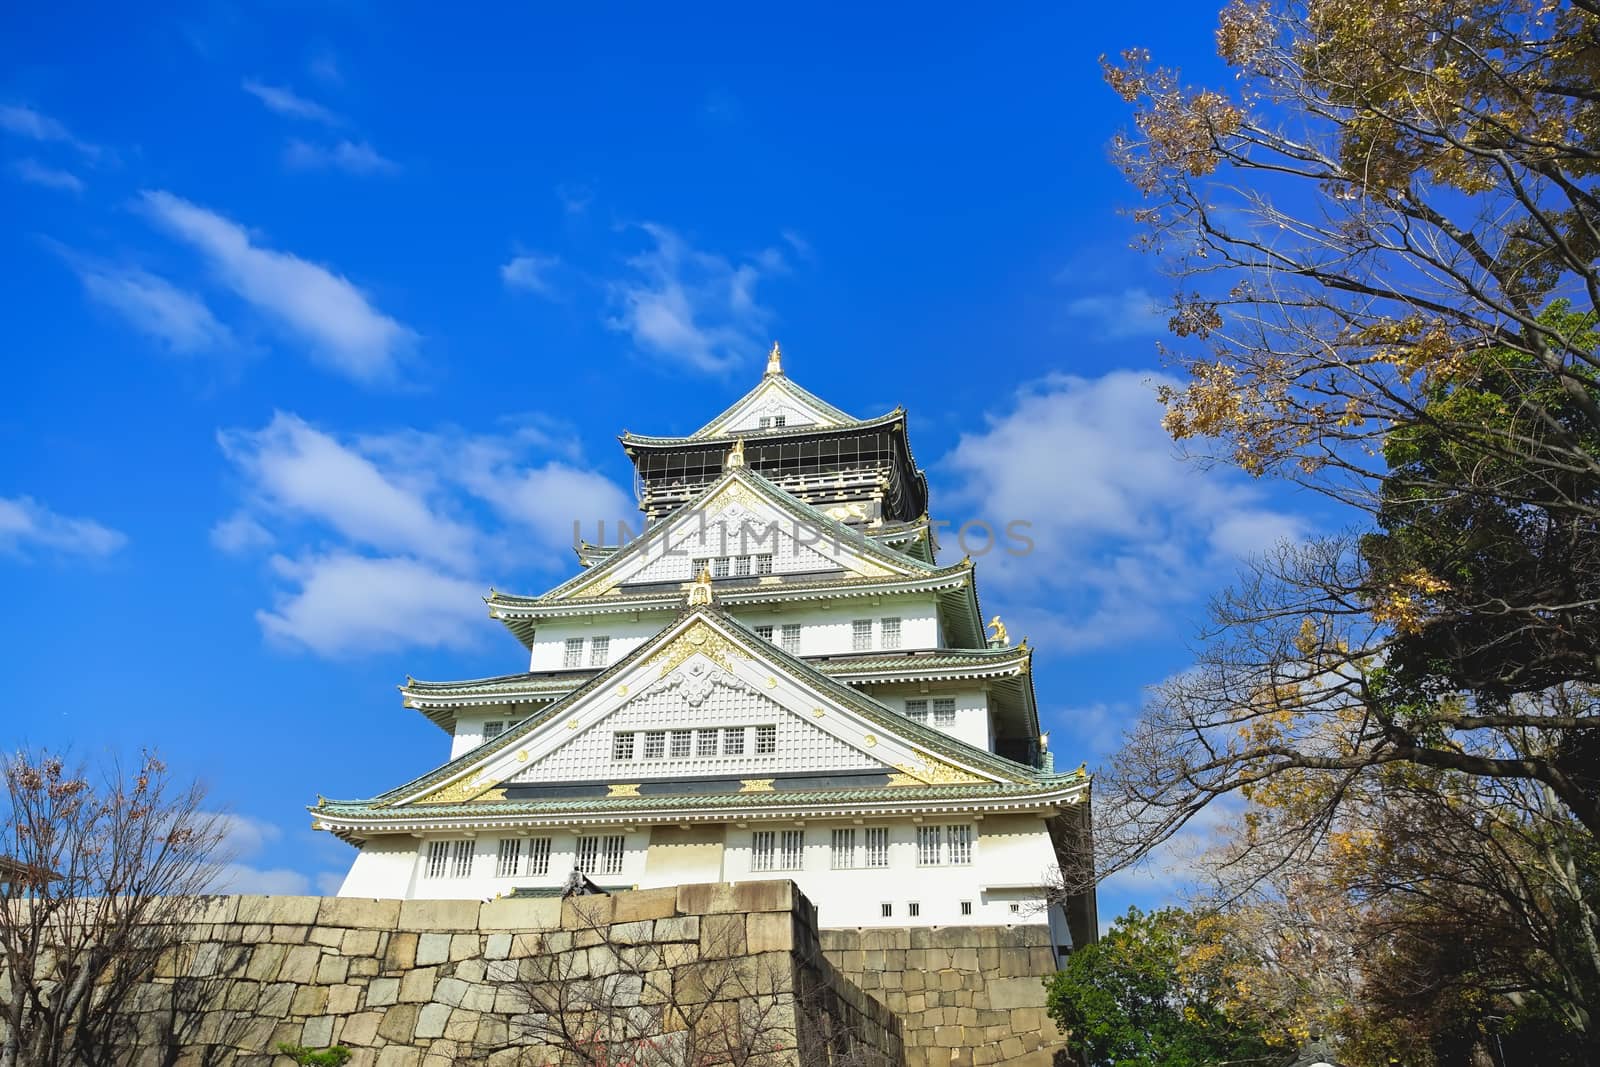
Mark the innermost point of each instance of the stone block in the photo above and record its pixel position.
(633, 933)
(300, 911)
(586, 913)
(471, 970)
(450, 991)
(309, 1000)
(364, 966)
(431, 1020)
(950, 979)
(359, 942)
(462, 1025)
(382, 992)
(541, 913)
(948, 1037)
(497, 946)
(343, 999)
(217, 909)
(417, 985)
(646, 904)
(1025, 1020)
(706, 898)
(359, 912)
(678, 928)
(432, 948)
(326, 936)
(1016, 993)
(401, 953)
(427, 915)
(264, 962)
(275, 1000)
(318, 1032)
(465, 946)
(331, 969)
(299, 963)
(399, 1023)
(287, 934)
(361, 1028)
(721, 936)
(399, 1056)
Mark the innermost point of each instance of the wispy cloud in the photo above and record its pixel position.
(396, 530)
(244, 839)
(352, 157)
(35, 125)
(29, 528)
(1128, 534)
(345, 331)
(35, 173)
(177, 318)
(1131, 312)
(695, 309)
(530, 272)
(286, 102)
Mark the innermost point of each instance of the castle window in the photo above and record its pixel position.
(764, 632)
(779, 420)
(913, 908)
(622, 745)
(844, 849)
(917, 710)
(600, 855)
(764, 563)
(764, 423)
(539, 855)
(508, 864)
(492, 730)
(1016, 908)
(719, 567)
(705, 742)
(944, 711)
(791, 850)
(928, 851)
(861, 635)
(733, 741)
(451, 859)
(791, 638)
(766, 740)
(890, 630)
(572, 656)
(599, 651)
(680, 743)
(886, 909)
(699, 566)
(763, 850)
(966, 907)
(655, 744)
(960, 843)
(877, 846)
(741, 566)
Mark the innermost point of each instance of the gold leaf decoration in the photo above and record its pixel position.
(631, 790)
(698, 639)
(755, 785)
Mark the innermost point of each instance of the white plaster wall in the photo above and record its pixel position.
(626, 633)
(383, 868)
(469, 724)
(973, 723)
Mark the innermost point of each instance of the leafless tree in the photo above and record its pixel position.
(104, 873)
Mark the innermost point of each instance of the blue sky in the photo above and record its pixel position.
(323, 320)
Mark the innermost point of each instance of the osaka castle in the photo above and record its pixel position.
(774, 676)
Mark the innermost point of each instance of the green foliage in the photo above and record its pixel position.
(1135, 998)
(337, 1056)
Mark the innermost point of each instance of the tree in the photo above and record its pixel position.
(1138, 996)
(105, 873)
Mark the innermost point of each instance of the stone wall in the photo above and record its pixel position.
(432, 983)
(967, 996)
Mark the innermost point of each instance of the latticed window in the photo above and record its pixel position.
(917, 710)
(622, 745)
(877, 846)
(886, 909)
(861, 635)
(460, 858)
(966, 907)
(913, 908)
(928, 852)
(438, 859)
(572, 656)
(741, 566)
(764, 632)
(960, 843)
(508, 863)
(766, 740)
(655, 744)
(492, 730)
(705, 742)
(681, 741)
(779, 420)
(791, 638)
(719, 567)
(844, 849)
(539, 855)
(889, 630)
(791, 850)
(944, 711)
(599, 651)
(764, 563)
(733, 741)
(764, 422)
(700, 566)
(763, 850)
(600, 855)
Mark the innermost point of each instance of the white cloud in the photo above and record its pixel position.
(35, 173)
(296, 469)
(37, 126)
(28, 526)
(245, 838)
(530, 272)
(384, 538)
(344, 604)
(154, 306)
(352, 157)
(1125, 531)
(694, 309)
(347, 333)
(1132, 312)
(290, 104)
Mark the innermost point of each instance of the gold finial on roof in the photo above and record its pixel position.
(735, 455)
(775, 360)
(997, 632)
(700, 588)
(321, 800)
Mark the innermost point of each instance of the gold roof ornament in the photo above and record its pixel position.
(997, 632)
(700, 589)
(735, 455)
(775, 360)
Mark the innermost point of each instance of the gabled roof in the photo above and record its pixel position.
(926, 757)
